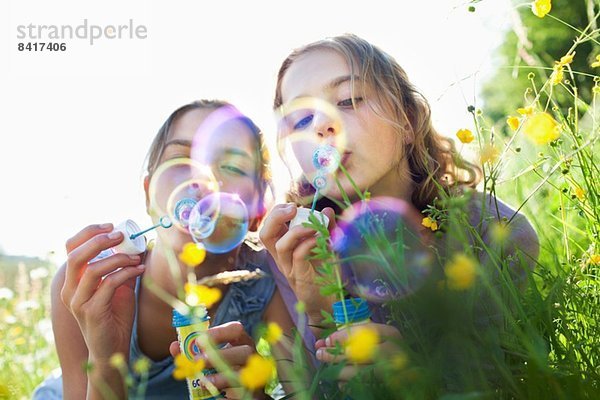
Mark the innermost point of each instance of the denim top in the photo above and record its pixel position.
(244, 302)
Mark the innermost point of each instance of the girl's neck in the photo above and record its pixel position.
(159, 270)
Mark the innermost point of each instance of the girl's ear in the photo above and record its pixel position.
(146, 191)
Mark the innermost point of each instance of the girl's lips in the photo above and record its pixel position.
(345, 157)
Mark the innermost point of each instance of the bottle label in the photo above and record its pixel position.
(189, 347)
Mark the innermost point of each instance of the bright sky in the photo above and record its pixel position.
(78, 123)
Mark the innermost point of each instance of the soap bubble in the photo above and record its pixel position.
(382, 255)
(219, 221)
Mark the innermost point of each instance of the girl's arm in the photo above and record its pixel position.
(277, 312)
(70, 345)
(93, 310)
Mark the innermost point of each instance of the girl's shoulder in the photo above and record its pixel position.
(492, 216)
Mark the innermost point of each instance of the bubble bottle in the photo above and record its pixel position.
(188, 328)
(134, 241)
(351, 312)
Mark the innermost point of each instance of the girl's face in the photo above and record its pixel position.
(229, 149)
(372, 151)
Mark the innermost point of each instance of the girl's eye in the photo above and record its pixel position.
(348, 102)
(304, 122)
(233, 169)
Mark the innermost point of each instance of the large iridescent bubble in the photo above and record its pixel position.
(228, 142)
(219, 221)
(312, 141)
(180, 180)
(382, 255)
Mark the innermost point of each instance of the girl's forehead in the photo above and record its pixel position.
(312, 73)
(231, 133)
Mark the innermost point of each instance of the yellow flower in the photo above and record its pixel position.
(489, 154)
(430, 223)
(460, 272)
(399, 361)
(595, 259)
(541, 7)
(257, 372)
(596, 63)
(465, 135)
(541, 128)
(499, 232)
(186, 368)
(580, 193)
(273, 333)
(513, 122)
(566, 60)
(117, 360)
(557, 74)
(141, 365)
(525, 110)
(193, 254)
(362, 344)
(199, 294)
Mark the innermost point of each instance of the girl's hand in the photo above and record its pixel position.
(100, 294)
(387, 346)
(290, 248)
(235, 346)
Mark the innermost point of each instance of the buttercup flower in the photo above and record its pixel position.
(596, 63)
(465, 135)
(557, 74)
(541, 7)
(460, 272)
(199, 294)
(499, 232)
(595, 259)
(117, 360)
(579, 193)
(362, 344)
(429, 223)
(525, 110)
(192, 255)
(141, 365)
(541, 128)
(513, 122)
(186, 368)
(273, 333)
(489, 154)
(257, 372)
(566, 60)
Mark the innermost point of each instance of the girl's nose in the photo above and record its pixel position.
(325, 126)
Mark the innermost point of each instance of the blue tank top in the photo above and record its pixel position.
(244, 302)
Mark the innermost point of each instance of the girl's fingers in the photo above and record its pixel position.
(86, 234)
(235, 356)
(301, 270)
(385, 332)
(78, 259)
(328, 211)
(220, 381)
(174, 349)
(92, 276)
(275, 226)
(287, 244)
(230, 332)
(112, 282)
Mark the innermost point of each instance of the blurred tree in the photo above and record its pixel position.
(533, 45)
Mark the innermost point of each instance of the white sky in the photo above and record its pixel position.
(77, 124)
